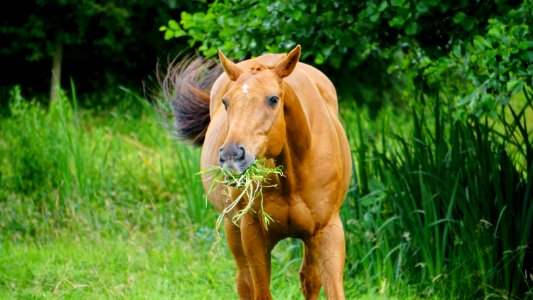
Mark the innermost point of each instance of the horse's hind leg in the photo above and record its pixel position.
(332, 255)
(310, 273)
(244, 278)
(328, 244)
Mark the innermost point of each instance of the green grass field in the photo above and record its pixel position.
(156, 264)
(108, 205)
(161, 264)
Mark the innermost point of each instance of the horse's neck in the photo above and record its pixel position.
(298, 140)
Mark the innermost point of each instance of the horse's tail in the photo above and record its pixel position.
(187, 85)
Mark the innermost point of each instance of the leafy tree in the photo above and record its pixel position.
(43, 28)
(492, 65)
(388, 45)
(115, 35)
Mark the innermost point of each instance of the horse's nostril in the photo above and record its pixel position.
(221, 155)
(240, 155)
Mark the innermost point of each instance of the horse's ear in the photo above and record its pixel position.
(231, 69)
(287, 65)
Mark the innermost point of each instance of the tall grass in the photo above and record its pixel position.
(65, 167)
(444, 206)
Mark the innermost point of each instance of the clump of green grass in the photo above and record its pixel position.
(63, 166)
(419, 211)
(250, 185)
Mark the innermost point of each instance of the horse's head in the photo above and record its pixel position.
(254, 106)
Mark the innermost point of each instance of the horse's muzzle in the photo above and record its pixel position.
(235, 158)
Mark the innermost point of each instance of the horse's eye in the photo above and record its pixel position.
(225, 103)
(272, 100)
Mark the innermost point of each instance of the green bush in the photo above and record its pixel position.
(382, 51)
(445, 207)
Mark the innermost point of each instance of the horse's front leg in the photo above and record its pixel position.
(245, 286)
(328, 247)
(310, 272)
(257, 247)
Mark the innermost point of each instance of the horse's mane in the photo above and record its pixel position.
(186, 86)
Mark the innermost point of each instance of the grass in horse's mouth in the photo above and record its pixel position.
(250, 185)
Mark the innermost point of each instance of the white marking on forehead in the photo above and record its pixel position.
(245, 88)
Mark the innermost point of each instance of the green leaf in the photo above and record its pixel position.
(412, 28)
(169, 34)
(459, 17)
(163, 28)
(374, 17)
(495, 32)
(319, 59)
(261, 12)
(210, 52)
(220, 21)
(383, 6)
(521, 73)
(422, 6)
(506, 54)
(514, 86)
(527, 56)
(172, 24)
(481, 63)
(396, 21)
(179, 33)
(397, 3)
(524, 45)
(478, 44)
(296, 15)
(301, 6)
(481, 43)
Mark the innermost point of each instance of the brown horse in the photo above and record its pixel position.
(284, 111)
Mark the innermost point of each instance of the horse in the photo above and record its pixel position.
(275, 108)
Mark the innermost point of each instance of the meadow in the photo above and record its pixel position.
(108, 204)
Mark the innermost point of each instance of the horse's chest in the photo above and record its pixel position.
(292, 217)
